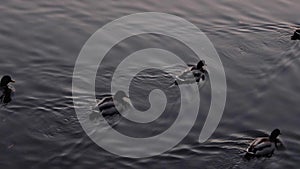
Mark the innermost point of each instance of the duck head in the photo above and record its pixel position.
(120, 95)
(5, 80)
(296, 35)
(275, 133)
(122, 98)
(201, 65)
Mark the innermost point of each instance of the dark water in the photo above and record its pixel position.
(39, 44)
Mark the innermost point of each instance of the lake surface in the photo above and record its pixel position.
(40, 42)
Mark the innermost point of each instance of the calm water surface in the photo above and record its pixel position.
(40, 41)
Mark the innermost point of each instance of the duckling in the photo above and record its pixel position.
(264, 146)
(111, 105)
(198, 71)
(5, 89)
(296, 35)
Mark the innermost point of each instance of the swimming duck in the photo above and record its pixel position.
(201, 66)
(296, 35)
(111, 105)
(264, 146)
(5, 89)
(198, 71)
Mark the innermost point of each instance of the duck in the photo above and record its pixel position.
(111, 105)
(201, 66)
(198, 71)
(5, 89)
(296, 35)
(264, 146)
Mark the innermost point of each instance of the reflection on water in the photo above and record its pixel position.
(40, 41)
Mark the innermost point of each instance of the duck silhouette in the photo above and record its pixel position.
(264, 146)
(111, 105)
(296, 35)
(197, 71)
(6, 91)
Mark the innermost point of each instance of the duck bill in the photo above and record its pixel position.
(12, 81)
(127, 100)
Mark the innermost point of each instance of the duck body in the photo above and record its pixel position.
(263, 146)
(6, 92)
(111, 105)
(6, 95)
(192, 73)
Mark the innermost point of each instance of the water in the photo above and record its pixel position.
(40, 41)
